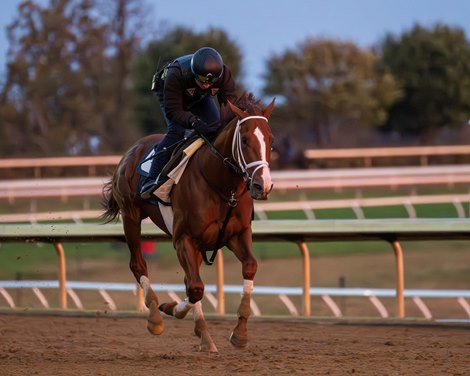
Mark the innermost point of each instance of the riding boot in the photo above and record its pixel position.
(162, 156)
(150, 183)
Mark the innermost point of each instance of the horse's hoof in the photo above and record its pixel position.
(167, 308)
(155, 321)
(208, 348)
(155, 328)
(238, 341)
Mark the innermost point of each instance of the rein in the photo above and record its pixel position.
(225, 160)
(240, 169)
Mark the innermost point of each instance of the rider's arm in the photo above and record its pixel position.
(173, 97)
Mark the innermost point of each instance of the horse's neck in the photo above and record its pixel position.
(223, 172)
(223, 142)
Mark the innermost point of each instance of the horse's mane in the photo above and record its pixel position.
(247, 102)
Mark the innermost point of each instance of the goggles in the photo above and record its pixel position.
(208, 79)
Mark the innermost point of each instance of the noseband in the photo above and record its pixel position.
(237, 152)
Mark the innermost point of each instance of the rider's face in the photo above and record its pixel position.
(203, 86)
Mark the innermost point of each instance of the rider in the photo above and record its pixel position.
(185, 89)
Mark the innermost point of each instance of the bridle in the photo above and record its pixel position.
(237, 152)
(240, 167)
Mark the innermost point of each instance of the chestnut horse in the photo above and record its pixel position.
(212, 207)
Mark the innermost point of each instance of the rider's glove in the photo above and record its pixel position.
(200, 126)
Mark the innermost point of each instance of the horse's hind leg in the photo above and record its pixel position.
(138, 267)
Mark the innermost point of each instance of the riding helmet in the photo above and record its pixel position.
(207, 64)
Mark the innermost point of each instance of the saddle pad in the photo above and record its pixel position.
(167, 214)
(143, 167)
(163, 192)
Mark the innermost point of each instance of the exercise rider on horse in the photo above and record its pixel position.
(186, 89)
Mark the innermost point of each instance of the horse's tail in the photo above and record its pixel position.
(109, 203)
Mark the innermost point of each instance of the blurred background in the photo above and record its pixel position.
(344, 74)
(75, 81)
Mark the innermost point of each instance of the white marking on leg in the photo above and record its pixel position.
(145, 284)
(247, 286)
(197, 311)
(182, 308)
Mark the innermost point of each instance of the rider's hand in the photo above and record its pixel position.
(200, 126)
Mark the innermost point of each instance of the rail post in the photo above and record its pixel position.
(306, 283)
(400, 278)
(62, 275)
(220, 283)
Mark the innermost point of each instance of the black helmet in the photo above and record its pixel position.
(207, 65)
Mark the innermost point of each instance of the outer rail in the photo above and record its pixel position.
(298, 231)
(367, 154)
(283, 180)
(261, 208)
(283, 293)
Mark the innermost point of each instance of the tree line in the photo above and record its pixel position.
(78, 79)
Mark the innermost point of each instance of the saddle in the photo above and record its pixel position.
(172, 171)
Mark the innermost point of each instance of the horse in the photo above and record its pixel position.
(212, 207)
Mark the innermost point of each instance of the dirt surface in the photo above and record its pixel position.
(97, 345)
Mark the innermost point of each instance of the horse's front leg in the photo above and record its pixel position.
(138, 267)
(190, 259)
(241, 247)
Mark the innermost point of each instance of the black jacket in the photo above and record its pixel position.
(178, 91)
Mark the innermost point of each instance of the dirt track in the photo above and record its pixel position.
(53, 345)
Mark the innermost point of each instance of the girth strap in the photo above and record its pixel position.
(219, 240)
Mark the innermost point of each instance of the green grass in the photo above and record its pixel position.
(32, 260)
(40, 261)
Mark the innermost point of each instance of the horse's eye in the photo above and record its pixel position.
(244, 141)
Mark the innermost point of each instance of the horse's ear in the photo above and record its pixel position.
(236, 110)
(267, 111)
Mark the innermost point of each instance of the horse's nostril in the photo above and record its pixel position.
(257, 187)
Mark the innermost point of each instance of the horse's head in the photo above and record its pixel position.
(251, 148)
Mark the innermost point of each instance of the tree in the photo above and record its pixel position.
(433, 67)
(68, 88)
(172, 44)
(325, 83)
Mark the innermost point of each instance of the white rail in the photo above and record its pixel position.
(356, 204)
(261, 208)
(283, 293)
(283, 180)
(367, 154)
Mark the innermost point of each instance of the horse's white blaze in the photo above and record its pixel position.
(265, 172)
